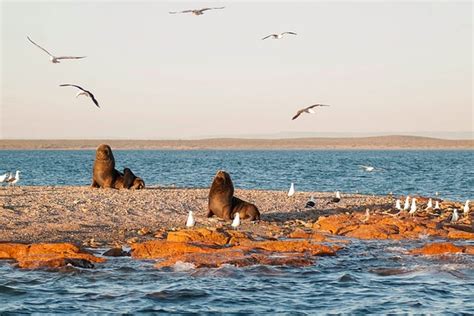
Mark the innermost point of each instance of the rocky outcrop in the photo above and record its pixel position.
(48, 256)
(442, 248)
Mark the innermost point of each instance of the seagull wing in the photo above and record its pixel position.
(268, 36)
(297, 114)
(214, 8)
(71, 57)
(315, 105)
(93, 99)
(292, 33)
(185, 11)
(39, 46)
(80, 88)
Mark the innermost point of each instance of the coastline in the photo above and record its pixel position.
(360, 143)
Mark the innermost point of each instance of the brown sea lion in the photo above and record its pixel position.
(104, 174)
(220, 196)
(224, 204)
(245, 209)
(131, 181)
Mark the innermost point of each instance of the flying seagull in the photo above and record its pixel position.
(308, 109)
(278, 36)
(197, 11)
(54, 59)
(84, 92)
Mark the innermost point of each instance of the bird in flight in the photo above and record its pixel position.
(54, 59)
(278, 36)
(83, 92)
(197, 11)
(308, 109)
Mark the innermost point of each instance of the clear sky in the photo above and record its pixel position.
(382, 66)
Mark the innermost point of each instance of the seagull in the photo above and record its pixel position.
(13, 180)
(236, 221)
(466, 208)
(407, 203)
(54, 59)
(413, 207)
(368, 168)
(278, 36)
(430, 204)
(308, 109)
(335, 199)
(311, 202)
(190, 222)
(398, 205)
(455, 216)
(437, 206)
(3, 178)
(196, 11)
(84, 92)
(291, 192)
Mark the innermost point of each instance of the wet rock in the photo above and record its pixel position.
(49, 256)
(459, 234)
(438, 249)
(302, 234)
(116, 252)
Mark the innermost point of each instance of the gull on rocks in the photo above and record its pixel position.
(430, 204)
(335, 199)
(437, 206)
(308, 110)
(311, 202)
(407, 203)
(413, 207)
(54, 59)
(398, 205)
(191, 221)
(236, 221)
(3, 177)
(83, 92)
(278, 36)
(291, 192)
(196, 11)
(455, 216)
(466, 208)
(14, 180)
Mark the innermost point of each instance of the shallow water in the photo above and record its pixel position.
(375, 277)
(451, 173)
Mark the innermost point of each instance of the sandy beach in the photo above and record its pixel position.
(382, 142)
(107, 217)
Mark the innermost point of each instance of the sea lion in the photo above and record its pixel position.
(220, 196)
(245, 209)
(104, 174)
(224, 204)
(131, 181)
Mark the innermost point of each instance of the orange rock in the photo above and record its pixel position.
(437, 249)
(374, 231)
(459, 234)
(301, 234)
(333, 223)
(47, 255)
(201, 235)
(283, 246)
(155, 249)
(469, 250)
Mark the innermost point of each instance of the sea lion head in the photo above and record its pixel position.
(104, 152)
(223, 182)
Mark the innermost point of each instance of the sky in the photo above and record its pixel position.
(383, 67)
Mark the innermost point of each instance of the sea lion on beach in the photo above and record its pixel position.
(224, 204)
(131, 181)
(245, 209)
(220, 196)
(104, 174)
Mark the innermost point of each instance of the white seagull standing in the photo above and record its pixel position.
(311, 202)
(407, 203)
(278, 36)
(466, 208)
(308, 109)
(3, 178)
(14, 180)
(291, 192)
(398, 205)
(437, 206)
(54, 59)
(196, 11)
(413, 207)
(83, 92)
(430, 204)
(455, 216)
(190, 222)
(236, 221)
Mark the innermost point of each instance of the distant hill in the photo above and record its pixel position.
(379, 142)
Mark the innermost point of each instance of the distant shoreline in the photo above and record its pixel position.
(327, 143)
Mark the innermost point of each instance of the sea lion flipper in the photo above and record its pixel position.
(128, 178)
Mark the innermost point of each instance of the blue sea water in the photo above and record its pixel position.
(367, 277)
(451, 173)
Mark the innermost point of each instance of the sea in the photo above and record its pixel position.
(367, 277)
